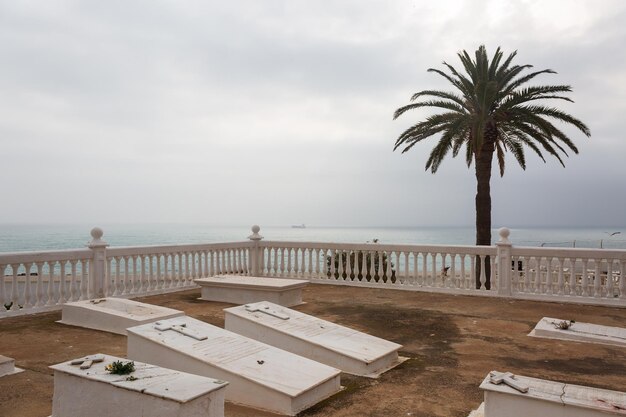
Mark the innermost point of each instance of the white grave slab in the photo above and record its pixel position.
(242, 290)
(7, 366)
(88, 389)
(580, 332)
(351, 351)
(548, 398)
(260, 376)
(113, 315)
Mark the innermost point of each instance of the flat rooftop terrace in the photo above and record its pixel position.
(452, 342)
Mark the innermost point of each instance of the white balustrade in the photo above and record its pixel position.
(40, 281)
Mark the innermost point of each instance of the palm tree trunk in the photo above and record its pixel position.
(484, 158)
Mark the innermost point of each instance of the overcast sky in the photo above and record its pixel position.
(280, 112)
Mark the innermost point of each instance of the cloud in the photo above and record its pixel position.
(280, 112)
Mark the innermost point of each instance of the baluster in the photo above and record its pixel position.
(309, 272)
(288, 270)
(483, 274)
(388, 272)
(188, 271)
(572, 277)
(73, 296)
(526, 270)
(169, 270)
(281, 266)
(433, 258)
(177, 265)
(50, 290)
(219, 258)
(150, 272)
(340, 268)
(275, 261)
(293, 267)
(609, 286)
(622, 279)
(194, 265)
(350, 259)
(201, 264)
(125, 284)
(560, 279)
(549, 280)
(583, 279)
(227, 263)
(361, 260)
(3, 291)
(329, 263)
(231, 258)
(116, 280)
(82, 288)
(27, 287)
(38, 284)
(143, 285)
(14, 290)
(405, 278)
(463, 281)
(452, 272)
(136, 275)
(159, 272)
(597, 279)
(494, 270)
(62, 289)
(108, 277)
(315, 255)
(263, 267)
(238, 261)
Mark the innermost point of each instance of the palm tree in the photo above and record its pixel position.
(491, 111)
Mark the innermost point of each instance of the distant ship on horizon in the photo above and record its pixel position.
(298, 226)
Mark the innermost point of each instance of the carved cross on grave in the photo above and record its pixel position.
(267, 310)
(509, 379)
(87, 361)
(180, 328)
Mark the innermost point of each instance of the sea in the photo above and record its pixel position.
(38, 237)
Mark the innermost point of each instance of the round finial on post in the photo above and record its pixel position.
(255, 233)
(504, 233)
(96, 235)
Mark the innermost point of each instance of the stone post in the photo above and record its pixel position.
(98, 287)
(255, 252)
(505, 271)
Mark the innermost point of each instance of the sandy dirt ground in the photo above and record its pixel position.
(452, 343)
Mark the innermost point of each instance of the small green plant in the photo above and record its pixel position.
(564, 324)
(121, 368)
(131, 378)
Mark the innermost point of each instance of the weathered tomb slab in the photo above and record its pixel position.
(260, 376)
(347, 349)
(580, 332)
(242, 289)
(7, 366)
(113, 315)
(549, 398)
(84, 387)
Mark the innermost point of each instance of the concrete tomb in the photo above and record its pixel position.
(7, 366)
(260, 376)
(579, 332)
(113, 314)
(242, 290)
(84, 387)
(508, 395)
(351, 351)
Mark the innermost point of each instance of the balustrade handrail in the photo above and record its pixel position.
(457, 249)
(163, 249)
(44, 280)
(569, 252)
(7, 258)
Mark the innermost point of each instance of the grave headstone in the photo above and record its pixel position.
(243, 289)
(85, 387)
(113, 314)
(260, 376)
(347, 349)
